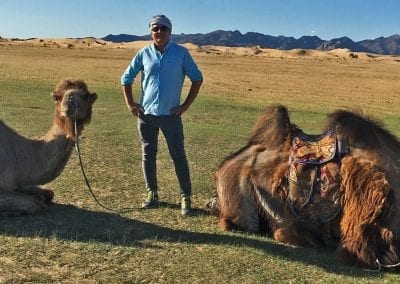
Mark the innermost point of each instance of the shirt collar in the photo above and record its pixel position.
(165, 48)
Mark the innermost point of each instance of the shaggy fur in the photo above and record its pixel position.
(26, 163)
(252, 188)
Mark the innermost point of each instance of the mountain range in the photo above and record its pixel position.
(381, 45)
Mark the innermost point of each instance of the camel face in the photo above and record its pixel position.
(76, 104)
(73, 104)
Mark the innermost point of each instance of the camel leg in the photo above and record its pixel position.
(246, 217)
(17, 204)
(236, 208)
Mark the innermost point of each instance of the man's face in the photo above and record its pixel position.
(160, 34)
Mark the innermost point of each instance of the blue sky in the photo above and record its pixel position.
(327, 19)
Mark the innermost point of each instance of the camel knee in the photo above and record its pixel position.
(284, 236)
(291, 235)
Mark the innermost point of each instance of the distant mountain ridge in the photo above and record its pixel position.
(381, 45)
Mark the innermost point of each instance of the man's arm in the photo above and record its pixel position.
(133, 107)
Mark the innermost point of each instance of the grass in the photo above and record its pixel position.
(76, 240)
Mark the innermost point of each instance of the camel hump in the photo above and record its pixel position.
(360, 130)
(272, 127)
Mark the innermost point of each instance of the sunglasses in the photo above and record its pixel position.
(159, 28)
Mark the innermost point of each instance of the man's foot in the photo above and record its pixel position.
(151, 200)
(185, 205)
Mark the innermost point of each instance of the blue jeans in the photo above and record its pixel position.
(172, 129)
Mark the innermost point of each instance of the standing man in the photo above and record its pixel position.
(163, 66)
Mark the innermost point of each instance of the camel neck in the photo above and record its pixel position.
(48, 156)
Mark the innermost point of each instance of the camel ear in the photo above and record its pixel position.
(93, 97)
(55, 98)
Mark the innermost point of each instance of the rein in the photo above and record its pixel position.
(121, 210)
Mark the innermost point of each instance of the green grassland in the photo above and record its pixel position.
(77, 241)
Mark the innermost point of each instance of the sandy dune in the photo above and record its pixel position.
(207, 49)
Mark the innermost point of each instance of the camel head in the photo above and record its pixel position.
(73, 104)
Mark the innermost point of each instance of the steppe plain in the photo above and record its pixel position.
(76, 240)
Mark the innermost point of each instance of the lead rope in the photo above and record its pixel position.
(121, 210)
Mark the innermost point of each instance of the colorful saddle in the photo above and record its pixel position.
(314, 177)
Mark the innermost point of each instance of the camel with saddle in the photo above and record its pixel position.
(339, 189)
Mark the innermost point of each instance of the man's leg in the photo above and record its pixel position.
(173, 131)
(149, 140)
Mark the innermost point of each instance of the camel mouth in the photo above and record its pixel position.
(64, 112)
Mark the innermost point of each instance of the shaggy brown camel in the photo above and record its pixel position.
(26, 163)
(340, 189)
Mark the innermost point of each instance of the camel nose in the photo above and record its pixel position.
(69, 107)
(72, 102)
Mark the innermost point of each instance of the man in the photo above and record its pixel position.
(163, 66)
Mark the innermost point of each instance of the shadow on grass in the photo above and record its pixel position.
(71, 223)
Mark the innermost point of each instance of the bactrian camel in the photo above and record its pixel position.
(339, 189)
(26, 164)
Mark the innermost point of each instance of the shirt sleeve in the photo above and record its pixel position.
(132, 70)
(190, 68)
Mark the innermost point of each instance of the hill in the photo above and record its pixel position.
(381, 45)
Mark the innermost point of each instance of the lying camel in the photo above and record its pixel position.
(340, 189)
(27, 163)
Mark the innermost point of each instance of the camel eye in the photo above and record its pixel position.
(57, 98)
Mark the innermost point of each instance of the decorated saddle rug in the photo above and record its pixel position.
(314, 177)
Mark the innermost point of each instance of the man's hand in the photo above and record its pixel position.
(179, 110)
(136, 109)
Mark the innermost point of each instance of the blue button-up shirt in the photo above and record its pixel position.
(162, 76)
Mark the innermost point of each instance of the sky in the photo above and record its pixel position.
(327, 19)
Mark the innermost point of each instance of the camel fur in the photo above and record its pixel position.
(252, 189)
(25, 163)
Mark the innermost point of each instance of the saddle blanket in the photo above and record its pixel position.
(314, 177)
